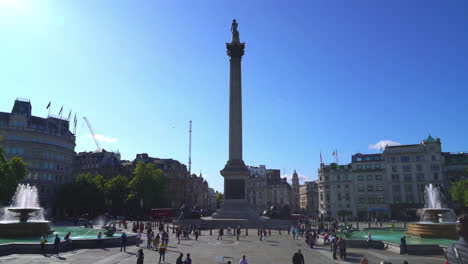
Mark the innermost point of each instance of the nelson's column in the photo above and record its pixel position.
(235, 172)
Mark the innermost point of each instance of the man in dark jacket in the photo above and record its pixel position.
(458, 252)
(56, 244)
(298, 258)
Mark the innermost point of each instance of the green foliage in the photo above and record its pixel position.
(459, 192)
(116, 191)
(146, 186)
(11, 174)
(85, 193)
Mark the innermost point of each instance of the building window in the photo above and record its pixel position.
(327, 187)
(435, 167)
(394, 169)
(420, 176)
(404, 158)
(44, 177)
(369, 177)
(371, 199)
(419, 167)
(338, 186)
(418, 157)
(433, 158)
(378, 177)
(367, 158)
(436, 176)
(52, 155)
(407, 168)
(51, 166)
(361, 187)
(346, 186)
(13, 150)
(359, 167)
(360, 178)
(7, 150)
(395, 177)
(50, 177)
(339, 196)
(46, 165)
(359, 159)
(396, 188)
(320, 178)
(326, 178)
(396, 199)
(347, 196)
(321, 196)
(409, 188)
(407, 177)
(377, 158)
(362, 199)
(379, 187)
(20, 151)
(380, 199)
(377, 166)
(370, 188)
(338, 177)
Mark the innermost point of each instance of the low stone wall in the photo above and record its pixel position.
(351, 243)
(419, 249)
(217, 223)
(35, 248)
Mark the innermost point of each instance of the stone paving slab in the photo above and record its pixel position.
(276, 249)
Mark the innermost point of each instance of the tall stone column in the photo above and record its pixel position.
(235, 172)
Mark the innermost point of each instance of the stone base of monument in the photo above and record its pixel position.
(235, 209)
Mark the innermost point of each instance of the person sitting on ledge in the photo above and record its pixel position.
(458, 251)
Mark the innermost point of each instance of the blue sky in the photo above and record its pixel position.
(317, 75)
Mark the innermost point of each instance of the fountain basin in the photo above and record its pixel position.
(433, 230)
(26, 229)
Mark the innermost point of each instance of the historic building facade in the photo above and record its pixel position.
(266, 188)
(295, 204)
(45, 144)
(97, 162)
(381, 185)
(308, 198)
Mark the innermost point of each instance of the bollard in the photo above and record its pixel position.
(279, 230)
(289, 230)
(211, 233)
(258, 231)
(246, 231)
(167, 228)
(269, 231)
(173, 229)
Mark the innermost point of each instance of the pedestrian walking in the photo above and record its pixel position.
(43, 242)
(149, 240)
(220, 233)
(179, 259)
(293, 232)
(140, 256)
(369, 240)
(188, 260)
(56, 244)
(196, 234)
(123, 242)
(298, 258)
(162, 251)
(243, 260)
(334, 247)
(458, 251)
(403, 245)
(238, 230)
(342, 248)
(138, 238)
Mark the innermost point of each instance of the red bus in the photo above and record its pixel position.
(158, 213)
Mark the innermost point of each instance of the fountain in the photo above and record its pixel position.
(24, 217)
(436, 220)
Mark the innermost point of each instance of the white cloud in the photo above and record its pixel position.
(103, 138)
(383, 143)
(302, 178)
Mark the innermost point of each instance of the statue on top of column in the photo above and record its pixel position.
(235, 33)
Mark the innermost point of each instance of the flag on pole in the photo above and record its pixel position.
(321, 157)
(69, 115)
(75, 119)
(48, 105)
(61, 108)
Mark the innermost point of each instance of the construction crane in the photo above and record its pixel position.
(92, 132)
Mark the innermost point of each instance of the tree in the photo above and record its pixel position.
(146, 187)
(219, 199)
(459, 192)
(86, 193)
(116, 190)
(11, 174)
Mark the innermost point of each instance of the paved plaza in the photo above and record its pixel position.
(276, 249)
